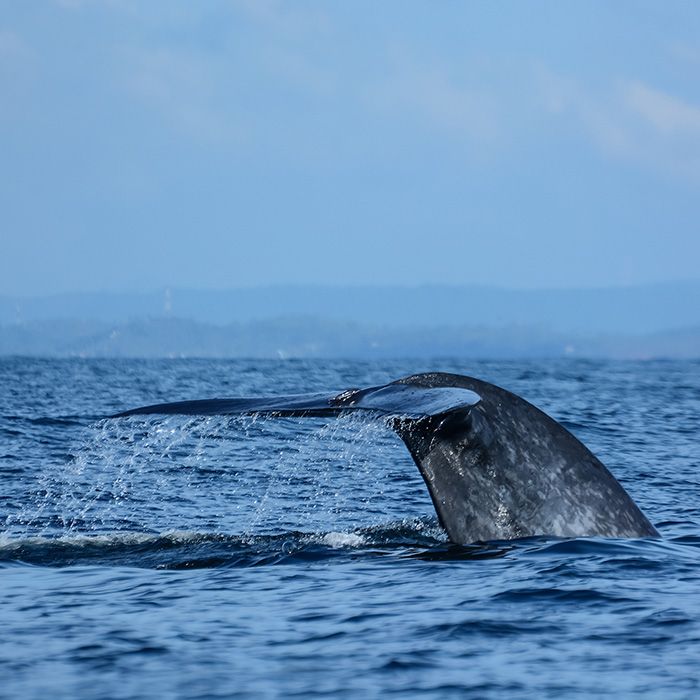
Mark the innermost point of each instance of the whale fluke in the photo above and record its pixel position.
(496, 467)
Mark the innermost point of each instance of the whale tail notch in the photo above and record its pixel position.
(496, 467)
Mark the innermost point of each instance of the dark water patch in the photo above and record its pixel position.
(591, 546)
(670, 617)
(453, 552)
(489, 628)
(407, 662)
(580, 596)
(687, 540)
(50, 421)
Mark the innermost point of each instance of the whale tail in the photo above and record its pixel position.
(496, 467)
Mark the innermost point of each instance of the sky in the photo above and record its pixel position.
(223, 144)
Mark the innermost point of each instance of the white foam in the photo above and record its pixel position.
(105, 539)
(343, 539)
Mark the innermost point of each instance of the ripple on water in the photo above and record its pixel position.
(217, 557)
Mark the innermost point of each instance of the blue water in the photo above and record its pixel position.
(217, 557)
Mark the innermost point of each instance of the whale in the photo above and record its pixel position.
(496, 466)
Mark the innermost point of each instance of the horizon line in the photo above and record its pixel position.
(342, 286)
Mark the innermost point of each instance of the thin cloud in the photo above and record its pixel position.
(183, 87)
(298, 71)
(629, 120)
(285, 19)
(665, 113)
(435, 96)
(686, 53)
(18, 71)
(13, 50)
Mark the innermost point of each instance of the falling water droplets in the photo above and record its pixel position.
(219, 475)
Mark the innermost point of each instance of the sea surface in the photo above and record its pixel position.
(218, 557)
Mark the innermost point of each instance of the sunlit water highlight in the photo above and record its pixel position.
(216, 557)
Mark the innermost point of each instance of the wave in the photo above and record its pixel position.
(420, 539)
(192, 549)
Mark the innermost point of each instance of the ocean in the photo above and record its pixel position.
(220, 557)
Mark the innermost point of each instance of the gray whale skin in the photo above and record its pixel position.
(496, 467)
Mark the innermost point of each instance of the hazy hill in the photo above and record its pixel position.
(311, 337)
(627, 310)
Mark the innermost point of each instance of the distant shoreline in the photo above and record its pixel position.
(308, 337)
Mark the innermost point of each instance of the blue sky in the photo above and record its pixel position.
(226, 144)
